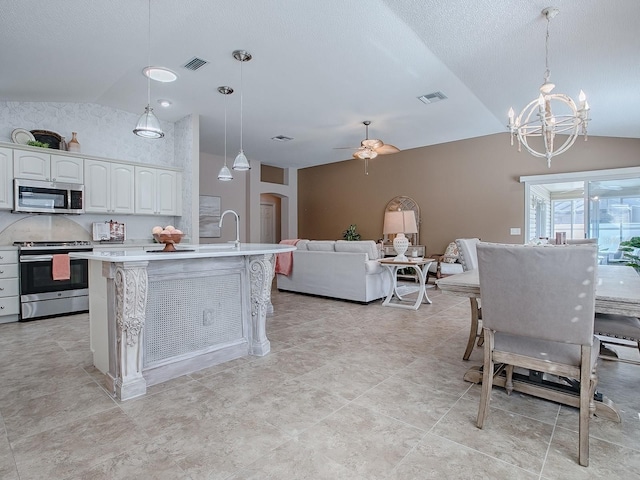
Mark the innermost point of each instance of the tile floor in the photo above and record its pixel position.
(348, 392)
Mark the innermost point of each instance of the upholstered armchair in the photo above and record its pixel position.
(459, 257)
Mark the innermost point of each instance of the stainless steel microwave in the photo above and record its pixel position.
(34, 196)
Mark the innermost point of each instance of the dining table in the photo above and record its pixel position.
(617, 292)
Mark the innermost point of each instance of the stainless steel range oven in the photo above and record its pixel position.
(40, 294)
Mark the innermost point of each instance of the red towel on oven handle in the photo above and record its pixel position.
(61, 267)
(284, 261)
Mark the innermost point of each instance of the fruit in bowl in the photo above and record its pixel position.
(168, 235)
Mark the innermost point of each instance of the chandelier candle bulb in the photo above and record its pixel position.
(538, 118)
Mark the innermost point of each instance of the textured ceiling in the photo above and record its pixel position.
(320, 68)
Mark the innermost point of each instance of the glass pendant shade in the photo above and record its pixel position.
(241, 163)
(225, 174)
(148, 126)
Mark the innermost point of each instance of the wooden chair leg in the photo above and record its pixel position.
(487, 380)
(473, 329)
(509, 379)
(585, 401)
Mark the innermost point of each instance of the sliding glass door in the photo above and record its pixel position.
(614, 214)
(601, 204)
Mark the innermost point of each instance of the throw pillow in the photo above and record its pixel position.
(451, 253)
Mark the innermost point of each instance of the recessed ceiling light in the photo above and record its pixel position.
(164, 103)
(159, 74)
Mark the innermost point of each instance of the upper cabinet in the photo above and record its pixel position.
(6, 178)
(47, 167)
(158, 191)
(67, 169)
(109, 187)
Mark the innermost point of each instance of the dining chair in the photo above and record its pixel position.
(469, 260)
(538, 307)
(467, 252)
(618, 327)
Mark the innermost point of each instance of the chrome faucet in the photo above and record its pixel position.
(237, 240)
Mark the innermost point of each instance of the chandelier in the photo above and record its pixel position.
(550, 114)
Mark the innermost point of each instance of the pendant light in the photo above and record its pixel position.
(148, 126)
(225, 174)
(241, 163)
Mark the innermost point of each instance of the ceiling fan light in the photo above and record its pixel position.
(366, 154)
(225, 174)
(241, 163)
(148, 126)
(371, 143)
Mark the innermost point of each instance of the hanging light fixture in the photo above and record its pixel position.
(148, 126)
(538, 119)
(241, 163)
(225, 174)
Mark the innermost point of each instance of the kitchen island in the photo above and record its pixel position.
(157, 315)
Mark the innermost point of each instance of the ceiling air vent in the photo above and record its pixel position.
(195, 63)
(432, 97)
(281, 138)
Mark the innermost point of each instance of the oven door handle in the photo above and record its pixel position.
(35, 258)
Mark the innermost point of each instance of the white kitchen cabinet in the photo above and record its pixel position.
(158, 191)
(47, 167)
(6, 178)
(9, 286)
(109, 187)
(31, 165)
(67, 169)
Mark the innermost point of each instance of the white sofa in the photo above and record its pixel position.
(341, 269)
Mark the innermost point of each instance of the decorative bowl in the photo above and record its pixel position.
(169, 240)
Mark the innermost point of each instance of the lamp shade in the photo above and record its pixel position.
(148, 126)
(400, 222)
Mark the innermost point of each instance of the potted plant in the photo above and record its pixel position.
(36, 143)
(630, 248)
(350, 233)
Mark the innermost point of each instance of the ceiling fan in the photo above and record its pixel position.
(371, 147)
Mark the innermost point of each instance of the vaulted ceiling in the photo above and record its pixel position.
(320, 68)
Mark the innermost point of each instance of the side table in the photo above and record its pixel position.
(421, 267)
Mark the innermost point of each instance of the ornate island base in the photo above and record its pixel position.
(156, 316)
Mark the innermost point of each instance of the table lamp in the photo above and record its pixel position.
(399, 223)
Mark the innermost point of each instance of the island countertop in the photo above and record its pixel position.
(185, 252)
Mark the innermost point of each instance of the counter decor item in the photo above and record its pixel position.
(63, 144)
(169, 236)
(73, 145)
(36, 143)
(47, 136)
(22, 136)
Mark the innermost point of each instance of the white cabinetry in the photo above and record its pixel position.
(109, 187)
(158, 191)
(67, 169)
(9, 287)
(47, 167)
(6, 179)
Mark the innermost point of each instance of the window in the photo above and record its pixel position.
(602, 204)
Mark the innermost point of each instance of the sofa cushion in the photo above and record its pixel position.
(321, 245)
(302, 244)
(359, 246)
(446, 268)
(451, 253)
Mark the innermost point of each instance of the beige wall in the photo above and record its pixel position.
(468, 188)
